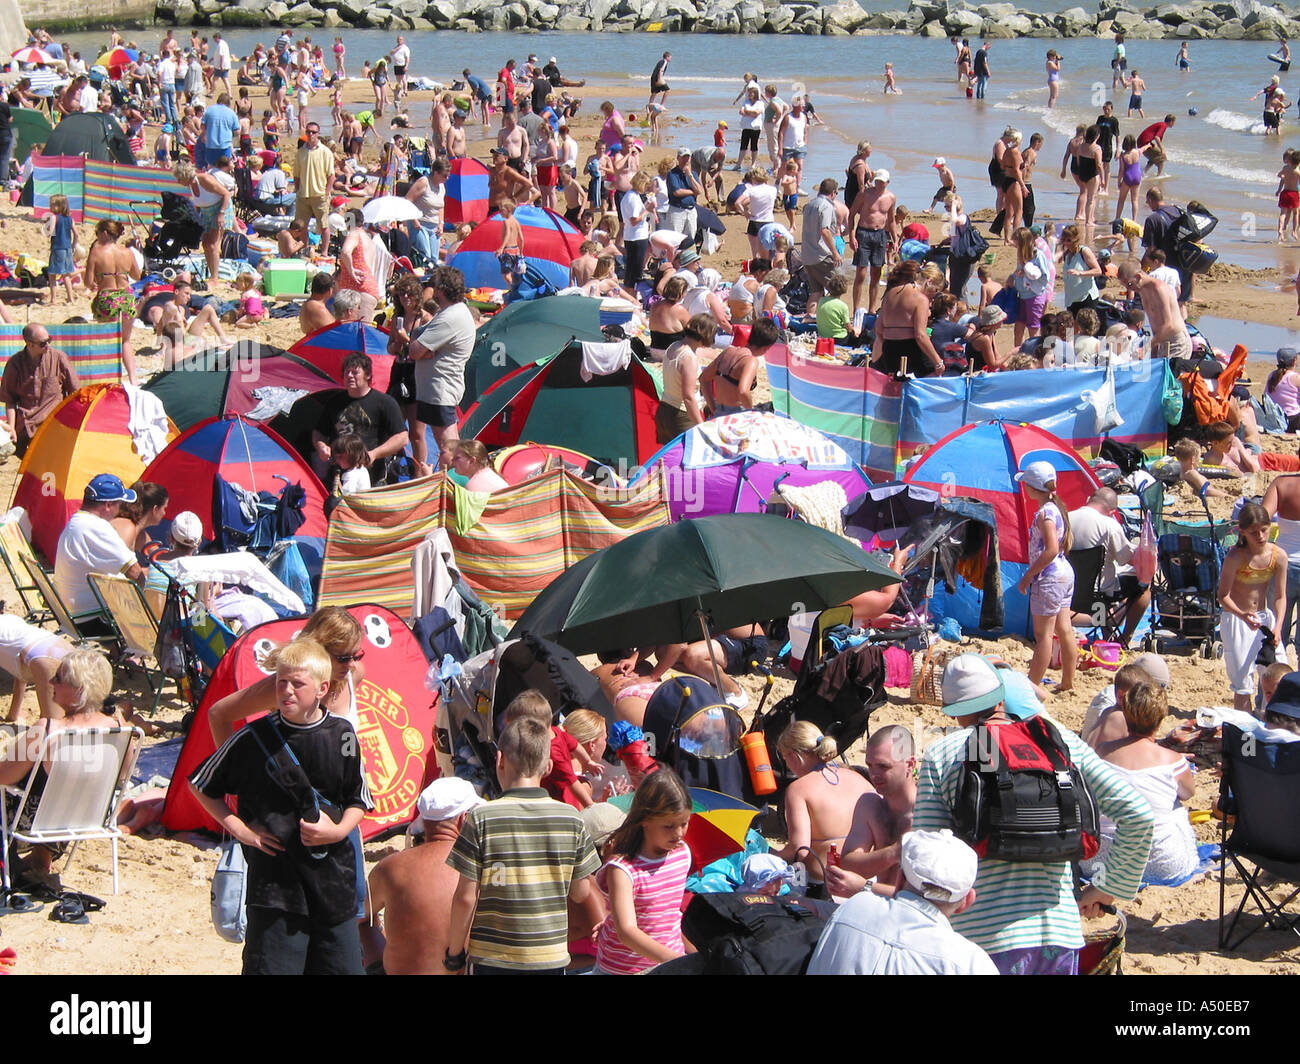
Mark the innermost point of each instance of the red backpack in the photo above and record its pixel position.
(1022, 798)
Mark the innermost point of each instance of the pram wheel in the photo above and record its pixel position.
(1216, 650)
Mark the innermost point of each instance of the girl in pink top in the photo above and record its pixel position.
(645, 879)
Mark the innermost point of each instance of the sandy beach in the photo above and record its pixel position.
(159, 923)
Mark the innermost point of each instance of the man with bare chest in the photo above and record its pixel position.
(513, 140)
(872, 233)
(881, 819)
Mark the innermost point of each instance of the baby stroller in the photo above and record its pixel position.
(256, 522)
(176, 231)
(696, 734)
(837, 689)
(475, 696)
(1186, 587)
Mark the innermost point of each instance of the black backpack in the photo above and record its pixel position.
(754, 934)
(1022, 798)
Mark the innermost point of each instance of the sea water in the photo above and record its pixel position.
(1219, 156)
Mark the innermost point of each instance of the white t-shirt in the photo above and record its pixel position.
(632, 206)
(751, 113)
(1168, 275)
(762, 198)
(88, 545)
(167, 73)
(401, 56)
(354, 480)
(1088, 528)
(223, 55)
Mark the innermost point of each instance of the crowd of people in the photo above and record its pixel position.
(583, 877)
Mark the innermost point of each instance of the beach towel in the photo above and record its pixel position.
(148, 425)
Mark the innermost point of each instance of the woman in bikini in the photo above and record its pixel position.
(625, 677)
(110, 269)
(819, 804)
(902, 326)
(1013, 185)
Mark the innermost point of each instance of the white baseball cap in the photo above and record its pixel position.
(446, 799)
(1037, 475)
(939, 865)
(881, 177)
(939, 161)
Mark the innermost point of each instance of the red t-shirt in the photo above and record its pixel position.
(508, 80)
(561, 777)
(1152, 132)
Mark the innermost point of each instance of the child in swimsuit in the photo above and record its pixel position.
(1252, 592)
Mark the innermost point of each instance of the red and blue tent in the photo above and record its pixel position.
(327, 348)
(467, 192)
(979, 461)
(731, 464)
(242, 452)
(550, 244)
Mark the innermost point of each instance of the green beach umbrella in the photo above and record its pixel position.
(659, 586)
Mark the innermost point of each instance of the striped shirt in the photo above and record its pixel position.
(657, 889)
(1025, 905)
(524, 850)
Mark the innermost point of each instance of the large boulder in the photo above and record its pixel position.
(184, 12)
(332, 20)
(933, 30)
(997, 10)
(275, 12)
(931, 10)
(887, 20)
(301, 14)
(516, 15)
(1268, 15)
(779, 19)
(1006, 26)
(352, 10)
(1074, 21)
(963, 22)
(442, 13)
(1124, 21)
(1175, 14)
(571, 23)
(847, 15)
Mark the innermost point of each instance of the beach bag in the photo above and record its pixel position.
(1021, 798)
(1106, 415)
(1195, 257)
(1171, 399)
(1009, 301)
(229, 893)
(755, 934)
(967, 242)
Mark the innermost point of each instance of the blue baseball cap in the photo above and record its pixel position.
(108, 488)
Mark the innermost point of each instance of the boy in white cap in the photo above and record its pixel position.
(1027, 917)
(947, 182)
(910, 933)
(413, 889)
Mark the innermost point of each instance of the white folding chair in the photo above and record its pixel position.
(79, 800)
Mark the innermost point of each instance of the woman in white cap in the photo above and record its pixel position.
(1049, 580)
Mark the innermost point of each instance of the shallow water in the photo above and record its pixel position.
(1218, 156)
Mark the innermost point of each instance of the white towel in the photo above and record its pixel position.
(434, 572)
(242, 568)
(147, 423)
(602, 359)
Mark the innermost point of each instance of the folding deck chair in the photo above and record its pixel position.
(136, 626)
(13, 549)
(72, 626)
(79, 800)
(1260, 787)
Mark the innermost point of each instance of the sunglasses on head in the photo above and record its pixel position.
(348, 659)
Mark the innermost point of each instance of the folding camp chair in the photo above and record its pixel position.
(73, 627)
(1089, 598)
(13, 549)
(137, 628)
(79, 800)
(1260, 787)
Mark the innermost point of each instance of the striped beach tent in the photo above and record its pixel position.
(55, 175)
(86, 435)
(550, 244)
(125, 193)
(93, 347)
(524, 538)
(467, 192)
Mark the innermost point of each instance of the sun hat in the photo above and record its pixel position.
(687, 256)
(108, 488)
(992, 315)
(722, 123)
(939, 865)
(1037, 475)
(760, 869)
(970, 685)
(602, 819)
(881, 177)
(1019, 701)
(187, 529)
(446, 799)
